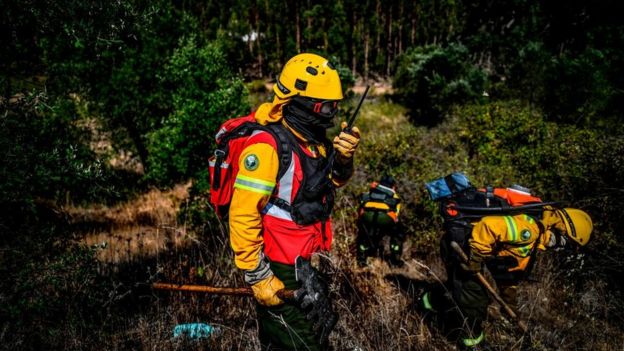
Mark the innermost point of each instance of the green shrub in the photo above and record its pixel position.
(44, 154)
(430, 79)
(205, 93)
(577, 87)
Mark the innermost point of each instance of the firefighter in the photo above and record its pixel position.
(273, 221)
(378, 216)
(507, 245)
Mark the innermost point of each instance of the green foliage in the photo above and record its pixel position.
(43, 153)
(577, 88)
(204, 93)
(49, 288)
(432, 78)
(512, 142)
(346, 75)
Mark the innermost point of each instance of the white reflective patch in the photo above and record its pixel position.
(386, 188)
(518, 191)
(274, 211)
(223, 165)
(286, 182)
(220, 133)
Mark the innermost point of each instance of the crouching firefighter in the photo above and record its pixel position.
(378, 216)
(503, 230)
(286, 172)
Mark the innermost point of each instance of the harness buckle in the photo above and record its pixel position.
(219, 153)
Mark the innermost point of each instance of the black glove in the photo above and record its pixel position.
(313, 296)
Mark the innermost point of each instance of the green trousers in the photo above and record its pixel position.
(285, 327)
(465, 314)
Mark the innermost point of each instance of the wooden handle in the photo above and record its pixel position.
(246, 291)
(491, 290)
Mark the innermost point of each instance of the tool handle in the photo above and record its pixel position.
(490, 289)
(283, 294)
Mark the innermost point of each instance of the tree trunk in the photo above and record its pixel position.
(297, 26)
(379, 19)
(325, 37)
(389, 41)
(137, 140)
(366, 48)
(354, 36)
(400, 38)
(413, 34)
(258, 44)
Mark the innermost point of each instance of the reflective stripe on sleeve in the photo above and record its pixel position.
(512, 228)
(255, 185)
(426, 303)
(475, 341)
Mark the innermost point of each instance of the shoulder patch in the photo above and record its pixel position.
(525, 235)
(252, 162)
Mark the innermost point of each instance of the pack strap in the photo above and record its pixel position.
(284, 147)
(380, 197)
(281, 203)
(219, 158)
(533, 255)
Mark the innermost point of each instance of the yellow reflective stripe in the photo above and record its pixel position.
(525, 250)
(376, 205)
(254, 189)
(512, 228)
(426, 303)
(475, 341)
(529, 219)
(255, 185)
(254, 180)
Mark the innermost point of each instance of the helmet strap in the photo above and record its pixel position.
(569, 220)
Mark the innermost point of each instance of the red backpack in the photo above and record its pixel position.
(223, 166)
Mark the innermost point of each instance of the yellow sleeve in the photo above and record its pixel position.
(258, 168)
(485, 234)
(398, 211)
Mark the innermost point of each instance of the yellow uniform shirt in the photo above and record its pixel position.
(514, 236)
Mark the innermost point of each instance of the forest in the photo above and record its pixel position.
(108, 112)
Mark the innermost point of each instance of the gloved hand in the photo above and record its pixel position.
(472, 266)
(556, 239)
(265, 291)
(346, 143)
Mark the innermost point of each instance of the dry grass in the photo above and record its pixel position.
(376, 304)
(142, 227)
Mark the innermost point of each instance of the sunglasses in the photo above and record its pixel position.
(324, 108)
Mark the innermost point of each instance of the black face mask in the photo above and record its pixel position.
(312, 126)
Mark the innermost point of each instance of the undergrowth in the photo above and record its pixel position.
(59, 296)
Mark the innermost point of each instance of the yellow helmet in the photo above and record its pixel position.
(308, 75)
(578, 224)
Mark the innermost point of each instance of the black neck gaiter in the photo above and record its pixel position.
(310, 125)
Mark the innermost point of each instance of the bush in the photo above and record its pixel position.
(44, 154)
(430, 79)
(508, 142)
(577, 88)
(206, 93)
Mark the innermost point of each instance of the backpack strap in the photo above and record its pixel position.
(535, 249)
(284, 148)
(276, 130)
(221, 151)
